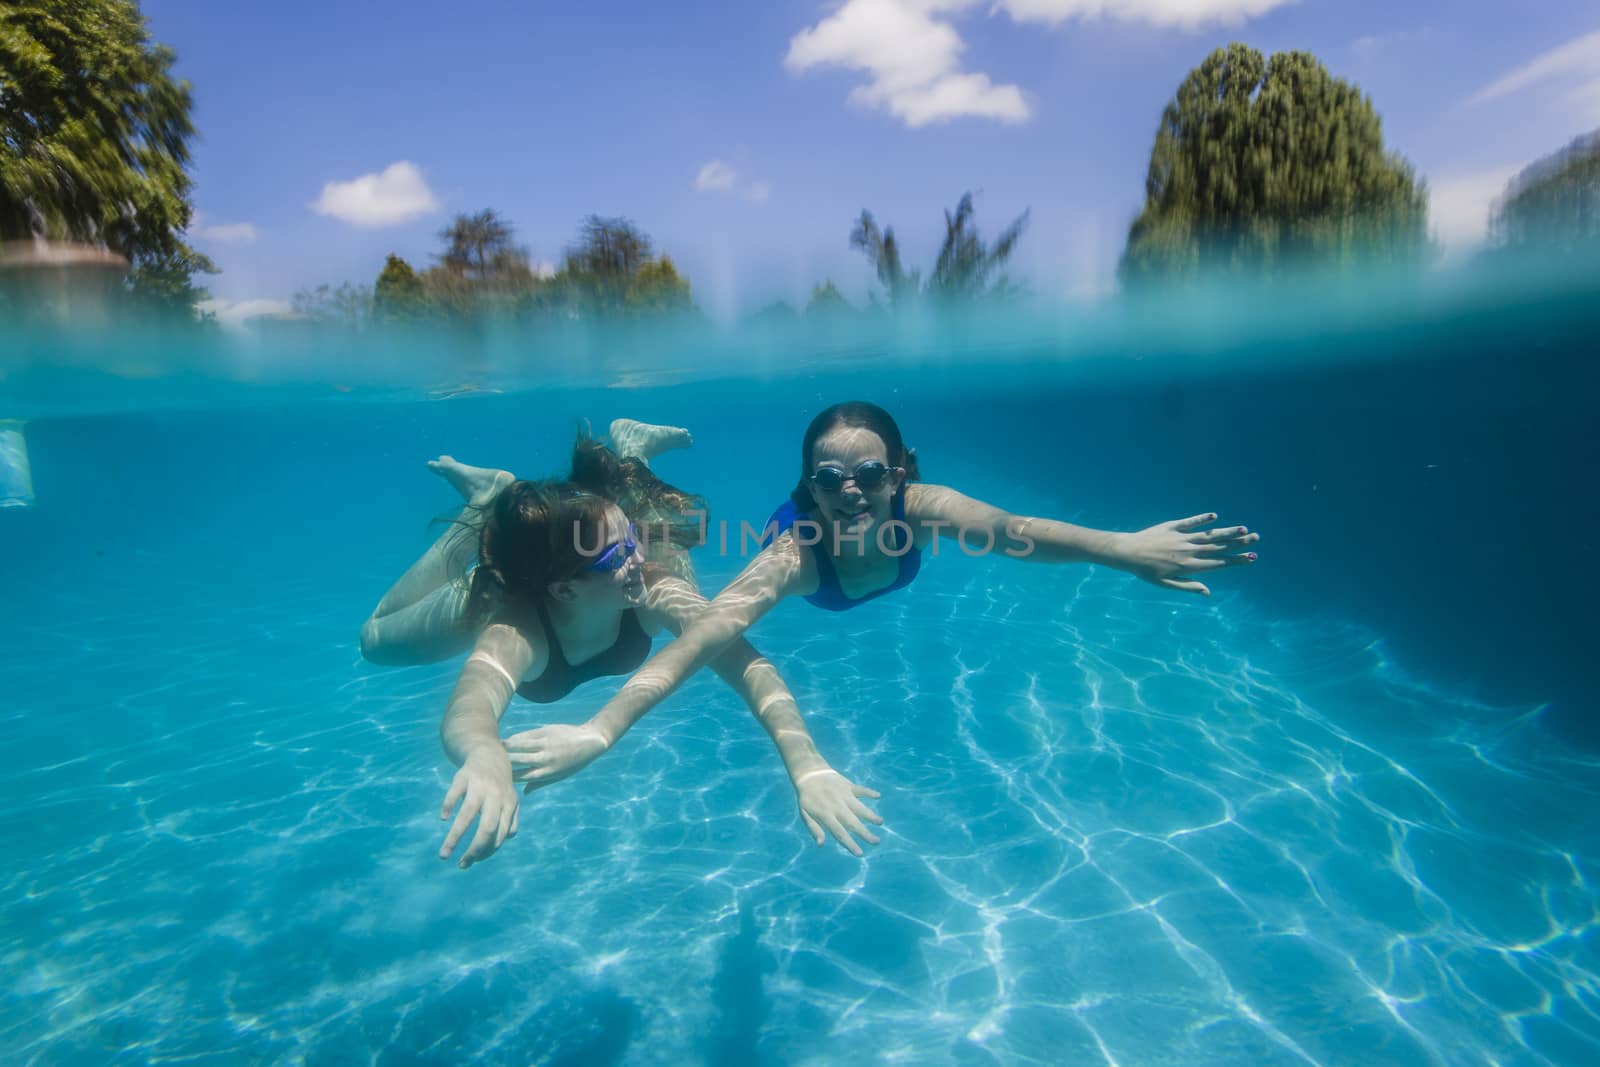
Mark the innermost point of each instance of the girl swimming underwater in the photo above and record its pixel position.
(855, 528)
(562, 593)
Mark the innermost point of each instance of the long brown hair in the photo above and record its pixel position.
(531, 533)
(855, 413)
(529, 537)
(647, 500)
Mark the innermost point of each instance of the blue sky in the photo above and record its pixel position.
(745, 137)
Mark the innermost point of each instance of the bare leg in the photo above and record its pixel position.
(643, 441)
(422, 618)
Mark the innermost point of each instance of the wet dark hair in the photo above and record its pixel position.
(857, 413)
(528, 537)
(530, 534)
(646, 500)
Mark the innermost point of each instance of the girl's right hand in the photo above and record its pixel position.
(484, 780)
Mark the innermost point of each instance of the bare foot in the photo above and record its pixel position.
(642, 440)
(477, 485)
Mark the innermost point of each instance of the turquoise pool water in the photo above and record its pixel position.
(1342, 812)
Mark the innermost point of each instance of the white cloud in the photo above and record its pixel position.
(226, 232)
(394, 195)
(912, 54)
(235, 313)
(719, 177)
(1377, 42)
(1458, 207)
(1576, 58)
(912, 59)
(1184, 14)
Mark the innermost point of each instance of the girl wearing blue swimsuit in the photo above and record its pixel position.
(854, 529)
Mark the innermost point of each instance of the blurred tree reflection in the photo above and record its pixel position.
(94, 141)
(968, 268)
(612, 269)
(1554, 204)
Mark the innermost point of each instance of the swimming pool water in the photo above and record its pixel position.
(1340, 813)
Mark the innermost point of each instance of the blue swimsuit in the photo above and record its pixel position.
(829, 596)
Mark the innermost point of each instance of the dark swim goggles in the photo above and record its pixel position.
(868, 476)
(616, 555)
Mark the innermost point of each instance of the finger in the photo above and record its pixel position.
(864, 812)
(463, 820)
(1193, 522)
(516, 819)
(483, 840)
(855, 827)
(843, 837)
(1211, 563)
(863, 791)
(527, 756)
(458, 788)
(811, 824)
(1220, 537)
(503, 830)
(1185, 587)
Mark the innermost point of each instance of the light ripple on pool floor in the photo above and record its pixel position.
(1122, 829)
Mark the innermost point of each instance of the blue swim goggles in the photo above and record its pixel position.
(617, 554)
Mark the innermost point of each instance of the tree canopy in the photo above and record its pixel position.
(94, 139)
(1553, 204)
(481, 270)
(613, 269)
(399, 296)
(1261, 163)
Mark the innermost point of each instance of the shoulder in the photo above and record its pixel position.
(926, 502)
(519, 648)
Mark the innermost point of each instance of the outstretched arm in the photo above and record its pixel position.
(1165, 554)
(550, 754)
(827, 799)
(470, 734)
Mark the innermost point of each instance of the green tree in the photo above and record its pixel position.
(1554, 204)
(399, 297)
(612, 269)
(163, 283)
(826, 299)
(1259, 163)
(94, 139)
(967, 268)
(657, 287)
(481, 269)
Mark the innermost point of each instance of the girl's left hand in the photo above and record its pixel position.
(829, 799)
(550, 753)
(1167, 552)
